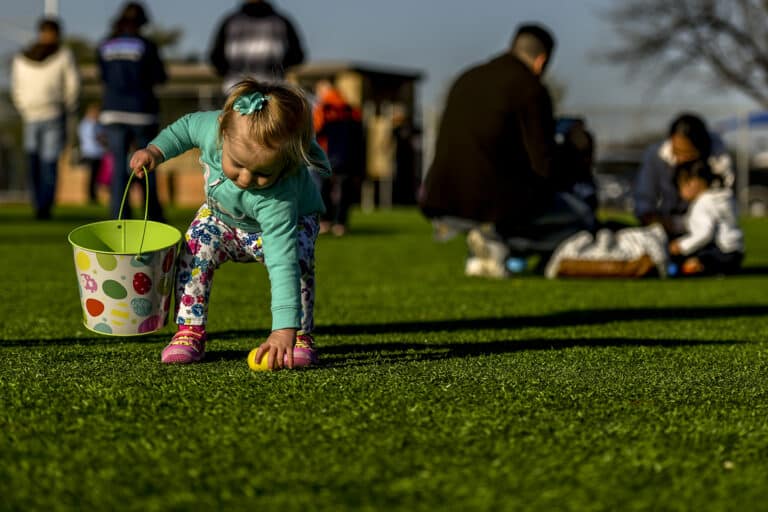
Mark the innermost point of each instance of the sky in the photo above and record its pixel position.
(436, 37)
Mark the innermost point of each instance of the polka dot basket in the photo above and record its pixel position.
(125, 271)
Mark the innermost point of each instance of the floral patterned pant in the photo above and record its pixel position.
(209, 242)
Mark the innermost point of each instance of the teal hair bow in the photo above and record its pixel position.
(250, 103)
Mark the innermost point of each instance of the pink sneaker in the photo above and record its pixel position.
(304, 353)
(185, 347)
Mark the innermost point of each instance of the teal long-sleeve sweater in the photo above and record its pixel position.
(273, 211)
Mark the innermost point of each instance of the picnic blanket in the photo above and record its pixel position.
(628, 252)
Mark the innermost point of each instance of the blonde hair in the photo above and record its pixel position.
(284, 122)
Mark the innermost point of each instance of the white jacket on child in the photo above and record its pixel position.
(44, 90)
(712, 217)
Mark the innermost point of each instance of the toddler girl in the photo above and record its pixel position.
(261, 205)
(713, 242)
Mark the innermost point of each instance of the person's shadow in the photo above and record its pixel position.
(557, 319)
(357, 354)
(361, 353)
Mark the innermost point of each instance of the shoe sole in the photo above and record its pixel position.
(303, 358)
(483, 267)
(485, 264)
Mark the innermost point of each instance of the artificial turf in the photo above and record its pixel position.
(436, 391)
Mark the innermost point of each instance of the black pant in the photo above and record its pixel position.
(538, 234)
(714, 260)
(93, 164)
(121, 138)
(339, 193)
(542, 233)
(43, 176)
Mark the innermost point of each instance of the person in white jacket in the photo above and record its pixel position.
(713, 242)
(45, 88)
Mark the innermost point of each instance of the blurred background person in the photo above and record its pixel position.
(130, 67)
(712, 242)
(255, 41)
(45, 88)
(655, 191)
(407, 139)
(494, 172)
(575, 158)
(339, 130)
(92, 141)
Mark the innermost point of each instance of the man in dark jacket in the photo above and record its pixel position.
(255, 41)
(494, 162)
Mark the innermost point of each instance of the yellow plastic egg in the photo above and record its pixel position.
(257, 366)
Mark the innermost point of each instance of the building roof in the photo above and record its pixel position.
(326, 68)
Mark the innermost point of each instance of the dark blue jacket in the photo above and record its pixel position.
(130, 67)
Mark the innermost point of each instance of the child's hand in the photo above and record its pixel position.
(674, 247)
(278, 348)
(149, 157)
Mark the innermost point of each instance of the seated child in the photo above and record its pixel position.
(92, 147)
(713, 242)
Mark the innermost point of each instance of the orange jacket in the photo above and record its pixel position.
(329, 107)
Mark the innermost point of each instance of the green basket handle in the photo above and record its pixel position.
(146, 207)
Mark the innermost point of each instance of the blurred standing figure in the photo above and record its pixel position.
(575, 154)
(92, 141)
(339, 130)
(255, 41)
(45, 87)
(130, 67)
(407, 139)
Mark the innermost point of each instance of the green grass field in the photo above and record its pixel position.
(436, 391)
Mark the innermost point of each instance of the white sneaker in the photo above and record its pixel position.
(492, 253)
(485, 267)
(485, 247)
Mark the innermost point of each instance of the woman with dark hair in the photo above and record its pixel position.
(655, 192)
